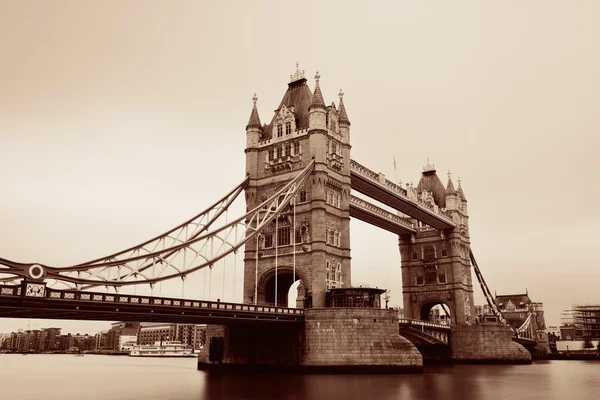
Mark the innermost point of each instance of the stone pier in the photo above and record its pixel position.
(331, 339)
(488, 344)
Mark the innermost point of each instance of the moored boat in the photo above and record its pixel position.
(168, 348)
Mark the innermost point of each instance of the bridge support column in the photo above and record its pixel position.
(357, 339)
(331, 339)
(487, 344)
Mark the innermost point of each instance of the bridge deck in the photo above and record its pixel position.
(65, 304)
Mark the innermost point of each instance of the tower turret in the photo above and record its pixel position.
(451, 196)
(344, 121)
(317, 110)
(253, 135)
(461, 197)
(254, 128)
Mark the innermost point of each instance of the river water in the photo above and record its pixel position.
(95, 377)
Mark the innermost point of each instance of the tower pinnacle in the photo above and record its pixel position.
(317, 100)
(298, 75)
(343, 114)
(254, 121)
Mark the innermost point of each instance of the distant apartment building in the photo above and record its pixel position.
(191, 334)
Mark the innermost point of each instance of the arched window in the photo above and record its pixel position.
(429, 252)
(279, 130)
(288, 128)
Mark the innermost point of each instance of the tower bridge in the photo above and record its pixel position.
(296, 229)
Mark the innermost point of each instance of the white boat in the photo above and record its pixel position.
(167, 348)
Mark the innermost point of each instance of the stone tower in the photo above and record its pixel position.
(436, 267)
(317, 247)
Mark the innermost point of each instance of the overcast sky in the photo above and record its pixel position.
(121, 119)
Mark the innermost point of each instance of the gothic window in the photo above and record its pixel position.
(429, 253)
(303, 196)
(296, 148)
(430, 277)
(444, 251)
(273, 154)
(279, 151)
(332, 237)
(268, 240)
(333, 278)
(288, 128)
(420, 280)
(283, 236)
(442, 275)
(279, 131)
(333, 198)
(288, 149)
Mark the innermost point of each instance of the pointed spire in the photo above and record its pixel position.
(254, 121)
(450, 186)
(342, 112)
(460, 191)
(317, 100)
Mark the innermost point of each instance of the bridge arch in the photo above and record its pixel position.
(423, 309)
(285, 280)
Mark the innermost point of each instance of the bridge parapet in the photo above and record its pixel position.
(380, 180)
(418, 323)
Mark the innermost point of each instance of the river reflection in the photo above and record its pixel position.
(110, 378)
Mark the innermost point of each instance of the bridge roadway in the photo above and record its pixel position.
(78, 305)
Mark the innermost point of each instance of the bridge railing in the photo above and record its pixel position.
(364, 205)
(413, 322)
(397, 189)
(123, 299)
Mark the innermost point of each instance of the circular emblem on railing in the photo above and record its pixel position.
(36, 271)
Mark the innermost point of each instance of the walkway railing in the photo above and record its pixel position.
(126, 299)
(414, 322)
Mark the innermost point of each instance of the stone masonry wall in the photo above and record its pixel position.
(351, 337)
(258, 344)
(486, 343)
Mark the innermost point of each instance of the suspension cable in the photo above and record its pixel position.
(276, 243)
(256, 272)
(294, 242)
(224, 266)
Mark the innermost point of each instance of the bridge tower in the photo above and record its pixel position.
(436, 268)
(310, 238)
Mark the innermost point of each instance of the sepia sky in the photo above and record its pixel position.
(121, 119)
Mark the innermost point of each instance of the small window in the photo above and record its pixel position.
(442, 277)
(279, 131)
(296, 148)
(444, 253)
(288, 128)
(429, 252)
(298, 236)
(414, 255)
(283, 236)
(279, 152)
(268, 240)
(288, 149)
(273, 154)
(303, 196)
(420, 280)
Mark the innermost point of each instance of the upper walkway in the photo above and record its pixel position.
(376, 186)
